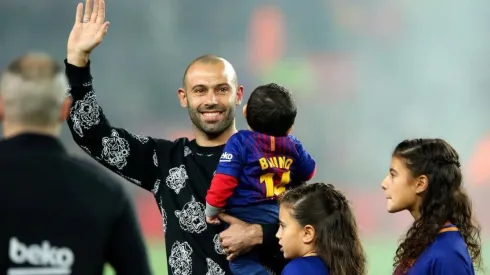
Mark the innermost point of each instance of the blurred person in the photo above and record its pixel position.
(63, 214)
(319, 233)
(425, 178)
(177, 172)
(257, 166)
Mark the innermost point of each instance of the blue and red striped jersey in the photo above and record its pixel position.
(255, 167)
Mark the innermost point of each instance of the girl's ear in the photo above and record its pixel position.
(308, 234)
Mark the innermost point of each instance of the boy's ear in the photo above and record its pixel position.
(244, 110)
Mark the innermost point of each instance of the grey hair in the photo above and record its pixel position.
(33, 88)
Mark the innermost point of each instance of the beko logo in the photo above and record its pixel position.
(42, 259)
(226, 157)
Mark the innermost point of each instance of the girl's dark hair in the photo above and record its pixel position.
(444, 200)
(328, 211)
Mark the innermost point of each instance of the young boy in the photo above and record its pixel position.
(258, 165)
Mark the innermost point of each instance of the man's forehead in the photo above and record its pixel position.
(210, 74)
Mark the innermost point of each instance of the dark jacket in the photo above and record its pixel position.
(63, 215)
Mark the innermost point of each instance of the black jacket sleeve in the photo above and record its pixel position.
(126, 251)
(131, 156)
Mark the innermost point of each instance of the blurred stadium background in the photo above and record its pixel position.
(366, 74)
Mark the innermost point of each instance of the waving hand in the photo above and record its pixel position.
(88, 31)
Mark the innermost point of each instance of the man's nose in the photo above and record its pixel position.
(211, 98)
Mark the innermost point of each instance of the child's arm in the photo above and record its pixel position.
(305, 167)
(221, 189)
(226, 178)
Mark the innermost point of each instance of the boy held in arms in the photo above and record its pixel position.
(258, 165)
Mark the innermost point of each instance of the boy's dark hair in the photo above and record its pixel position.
(271, 110)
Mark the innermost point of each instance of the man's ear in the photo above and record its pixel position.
(182, 97)
(65, 109)
(239, 95)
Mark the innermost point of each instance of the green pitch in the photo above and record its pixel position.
(379, 252)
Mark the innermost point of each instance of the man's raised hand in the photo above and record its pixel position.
(88, 32)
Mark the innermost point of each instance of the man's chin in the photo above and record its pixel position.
(213, 129)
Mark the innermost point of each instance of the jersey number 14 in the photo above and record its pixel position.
(272, 189)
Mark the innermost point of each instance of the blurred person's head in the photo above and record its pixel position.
(270, 110)
(33, 96)
(211, 93)
(425, 178)
(316, 219)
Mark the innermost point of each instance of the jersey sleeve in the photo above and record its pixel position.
(450, 264)
(304, 168)
(226, 178)
(222, 187)
(131, 156)
(232, 160)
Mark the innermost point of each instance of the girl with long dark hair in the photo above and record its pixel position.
(425, 178)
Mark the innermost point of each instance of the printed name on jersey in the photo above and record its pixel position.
(192, 217)
(226, 157)
(276, 162)
(115, 150)
(39, 259)
(85, 113)
(176, 178)
(180, 260)
(214, 268)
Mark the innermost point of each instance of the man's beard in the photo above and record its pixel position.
(212, 129)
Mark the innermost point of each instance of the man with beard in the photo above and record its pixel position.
(177, 172)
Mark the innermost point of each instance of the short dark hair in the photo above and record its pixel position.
(271, 110)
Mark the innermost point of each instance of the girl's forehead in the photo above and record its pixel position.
(397, 164)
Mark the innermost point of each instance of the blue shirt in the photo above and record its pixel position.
(447, 255)
(312, 265)
(264, 166)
